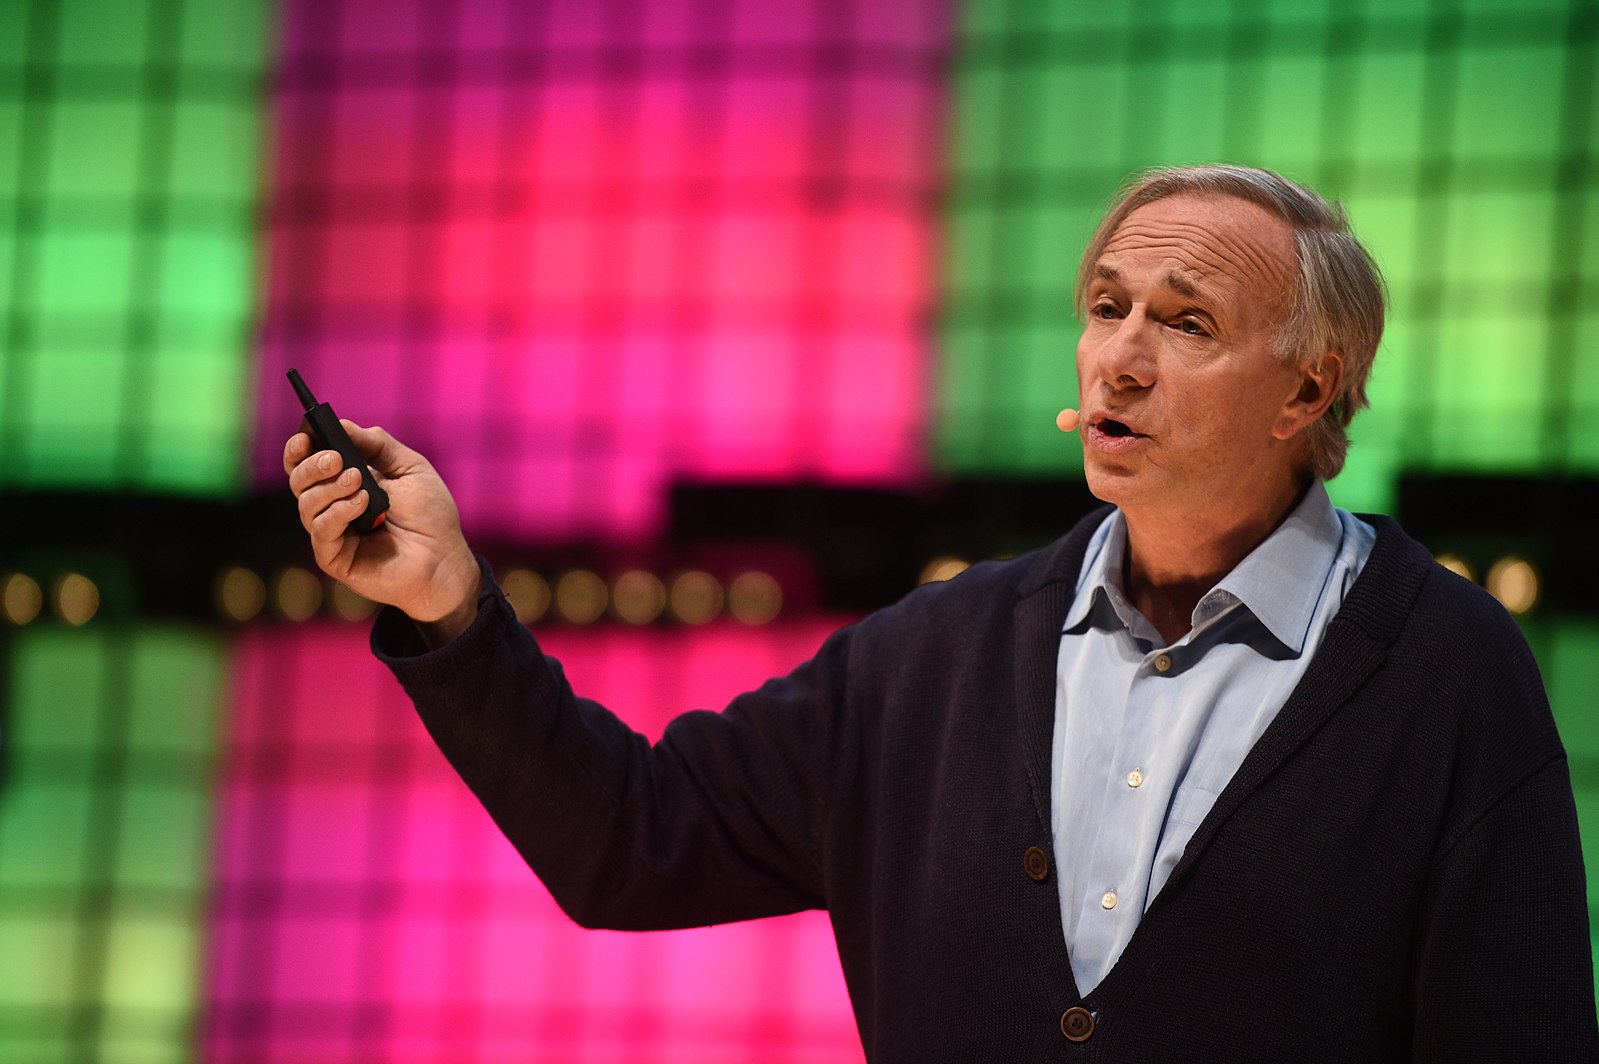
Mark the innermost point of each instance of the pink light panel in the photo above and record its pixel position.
(365, 907)
(572, 252)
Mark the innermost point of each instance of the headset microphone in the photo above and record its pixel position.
(1067, 420)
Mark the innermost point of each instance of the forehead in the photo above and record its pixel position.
(1215, 243)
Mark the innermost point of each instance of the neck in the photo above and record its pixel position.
(1174, 559)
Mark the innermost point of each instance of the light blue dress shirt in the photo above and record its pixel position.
(1147, 734)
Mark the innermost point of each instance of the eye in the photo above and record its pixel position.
(1105, 311)
(1191, 327)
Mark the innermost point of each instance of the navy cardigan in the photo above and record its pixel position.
(1394, 873)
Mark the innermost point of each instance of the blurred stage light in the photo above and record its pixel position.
(638, 597)
(1457, 565)
(944, 568)
(580, 597)
(239, 593)
(77, 600)
(1514, 582)
(754, 598)
(528, 593)
(348, 605)
(696, 597)
(296, 594)
(21, 598)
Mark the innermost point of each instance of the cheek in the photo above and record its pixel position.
(1234, 423)
(1081, 361)
(1217, 414)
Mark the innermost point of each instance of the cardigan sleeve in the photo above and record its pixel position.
(1504, 970)
(717, 821)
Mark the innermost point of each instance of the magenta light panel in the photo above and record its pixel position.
(575, 251)
(365, 907)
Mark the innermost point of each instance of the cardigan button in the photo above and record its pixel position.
(1036, 863)
(1077, 1024)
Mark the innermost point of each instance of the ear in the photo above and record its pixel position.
(1315, 388)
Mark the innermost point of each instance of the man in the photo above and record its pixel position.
(1224, 774)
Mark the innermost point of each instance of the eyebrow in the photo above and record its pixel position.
(1182, 285)
(1174, 280)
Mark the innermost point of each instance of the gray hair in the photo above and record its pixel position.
(1338, 299)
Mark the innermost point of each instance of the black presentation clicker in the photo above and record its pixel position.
(323, 426)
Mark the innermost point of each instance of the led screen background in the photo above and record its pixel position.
(106, 819)
(599, 247)
(578, 253)
(130, 139)
(1461, 137)
(363, 904)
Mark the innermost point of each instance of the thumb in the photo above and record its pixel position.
(383, 452)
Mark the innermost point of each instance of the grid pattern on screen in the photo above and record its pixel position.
(105, 815)
(1462, 138)
(572, 252)
(128, 159)
(367, 908)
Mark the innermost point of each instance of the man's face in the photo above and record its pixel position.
(1184, 402)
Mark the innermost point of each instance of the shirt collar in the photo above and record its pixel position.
(1099, 585)
(1280, 580)
(1276, 582)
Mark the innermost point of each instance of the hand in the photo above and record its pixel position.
(418, 560)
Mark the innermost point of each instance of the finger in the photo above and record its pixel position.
(320, 467)
(328, 530)
(295, 450)
(315, 500)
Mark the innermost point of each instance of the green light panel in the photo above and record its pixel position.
(1461, 136)
(129, 159)
(105, 817)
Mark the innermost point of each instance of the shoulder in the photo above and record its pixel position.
(1403, 592)
(998, 584)
(1458, 664)
(1460, 628)
(975, 613)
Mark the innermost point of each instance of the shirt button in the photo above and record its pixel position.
(1163, 663)
(1036, 863)
(1135, 778)
(1108, 899)
(1077, 1024)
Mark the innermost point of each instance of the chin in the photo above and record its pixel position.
(1116, 488)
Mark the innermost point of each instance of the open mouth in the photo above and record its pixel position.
(1113, 432)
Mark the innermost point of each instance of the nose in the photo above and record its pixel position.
(1122, 353)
